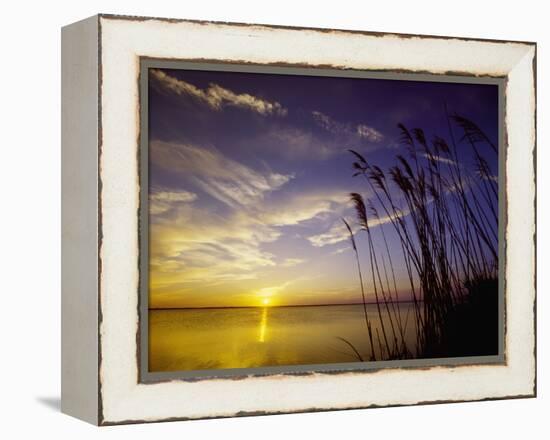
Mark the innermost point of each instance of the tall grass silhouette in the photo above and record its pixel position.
(443, 211)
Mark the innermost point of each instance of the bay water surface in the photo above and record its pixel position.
(220, 338)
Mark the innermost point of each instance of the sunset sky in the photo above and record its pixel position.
(250, 177)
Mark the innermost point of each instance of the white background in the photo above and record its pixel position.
(30, 218)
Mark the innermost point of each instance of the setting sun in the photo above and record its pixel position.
(265, 301)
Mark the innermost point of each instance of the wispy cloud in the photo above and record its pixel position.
(331, 125)
(339, 233)
(304, 207)
(296, 143)
(216, 96)
(378, 221)
(291, 262)
(222, 178)
(370, 133)
(336, 234)
(161, 201)
(341, 250)
(440, 159)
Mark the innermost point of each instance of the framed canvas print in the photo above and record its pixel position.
(263, 220)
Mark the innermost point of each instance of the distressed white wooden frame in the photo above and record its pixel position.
(100, 255)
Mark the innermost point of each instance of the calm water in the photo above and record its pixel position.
(196, 339)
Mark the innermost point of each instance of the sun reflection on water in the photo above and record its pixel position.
(263, 325)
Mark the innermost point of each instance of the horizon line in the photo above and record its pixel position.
(279, 306)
